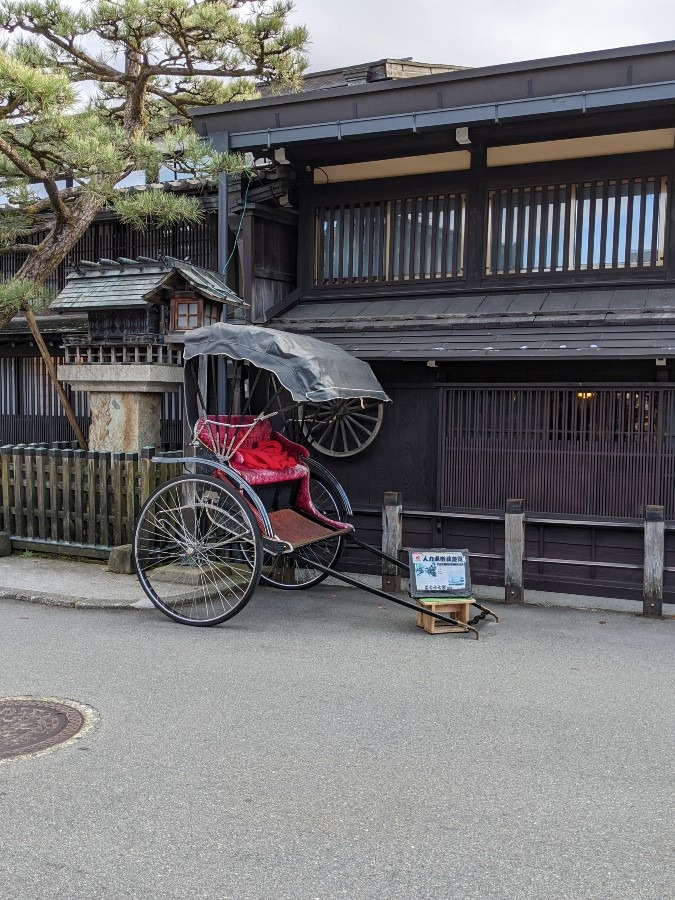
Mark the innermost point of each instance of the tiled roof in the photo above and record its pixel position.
(483, 308)
(129, 284)
(580, 324)
(447, 344)
(111, 288)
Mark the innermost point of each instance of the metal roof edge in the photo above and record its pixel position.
(573, 102)
(461, 74)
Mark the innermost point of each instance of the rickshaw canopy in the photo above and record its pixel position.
(311, 370)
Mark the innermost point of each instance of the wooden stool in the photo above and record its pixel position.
(455, 608)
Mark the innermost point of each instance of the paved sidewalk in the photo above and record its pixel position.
(68, 582)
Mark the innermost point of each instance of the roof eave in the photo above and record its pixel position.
(553, 106)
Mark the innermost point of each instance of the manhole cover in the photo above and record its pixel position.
(32, 725)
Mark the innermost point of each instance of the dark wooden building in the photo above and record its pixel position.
(499, 244)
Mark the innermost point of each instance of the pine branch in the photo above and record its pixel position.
(17, 160)
(20, 248)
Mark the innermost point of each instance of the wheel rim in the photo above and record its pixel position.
(197, 551)
(342, 427)
(285, 570)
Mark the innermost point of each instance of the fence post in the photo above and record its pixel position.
(652, 597)
(146, 469)
(5, 487)
(392, 539)
(67, 468)
(514, 549)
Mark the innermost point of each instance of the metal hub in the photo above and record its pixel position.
(31, 725)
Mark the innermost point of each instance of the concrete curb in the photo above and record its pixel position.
(47, 599)
(61, 600)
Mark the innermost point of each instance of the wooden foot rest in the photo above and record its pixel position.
(297, 530)
(457, 609)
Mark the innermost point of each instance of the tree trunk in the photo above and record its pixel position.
(51, 368)
(38, 267)
(60, 241)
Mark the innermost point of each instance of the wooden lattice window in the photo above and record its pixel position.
(9, 381)
(581, 450)
(583, 226)
(410, 239)
(186, 313)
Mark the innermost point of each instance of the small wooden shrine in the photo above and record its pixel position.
(137, 313)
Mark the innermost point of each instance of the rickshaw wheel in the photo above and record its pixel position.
(287, 573)
(342, 427)
(198, 550)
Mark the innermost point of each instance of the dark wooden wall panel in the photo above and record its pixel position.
(369, 529)
(270, 259)
(479, 537)
(401, 458)
(584, 543)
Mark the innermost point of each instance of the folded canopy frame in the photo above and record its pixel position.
(312, 371)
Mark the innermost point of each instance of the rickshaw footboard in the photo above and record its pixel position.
(301, 531)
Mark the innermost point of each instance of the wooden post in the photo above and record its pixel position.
(652, 602)
(392, 539)
(514, 547)
(6, 486)
(147, 474)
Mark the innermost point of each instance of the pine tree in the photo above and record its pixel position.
(89, 95)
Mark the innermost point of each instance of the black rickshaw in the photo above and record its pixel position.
(254, 505)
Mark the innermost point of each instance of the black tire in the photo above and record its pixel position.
(287, 573)
(198, 550)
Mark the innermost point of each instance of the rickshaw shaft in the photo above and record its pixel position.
(392, 559)
(378, 593)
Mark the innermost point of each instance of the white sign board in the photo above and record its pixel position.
(439, 573)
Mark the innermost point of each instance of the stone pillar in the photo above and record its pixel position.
(125, 401)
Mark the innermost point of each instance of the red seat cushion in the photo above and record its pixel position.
(267, 455)
(260, 455)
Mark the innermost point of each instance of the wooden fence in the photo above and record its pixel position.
(61, 499)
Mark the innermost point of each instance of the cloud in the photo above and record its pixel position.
(477, 33)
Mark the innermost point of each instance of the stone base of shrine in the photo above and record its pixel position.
(125, 402)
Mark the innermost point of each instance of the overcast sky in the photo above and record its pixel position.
(476, 32)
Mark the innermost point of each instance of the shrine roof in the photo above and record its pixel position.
(131, 283)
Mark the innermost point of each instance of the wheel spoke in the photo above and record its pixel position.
(348, 423)
(343, 432)
(342, 427)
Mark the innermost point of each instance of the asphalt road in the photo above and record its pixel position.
(321, 746)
